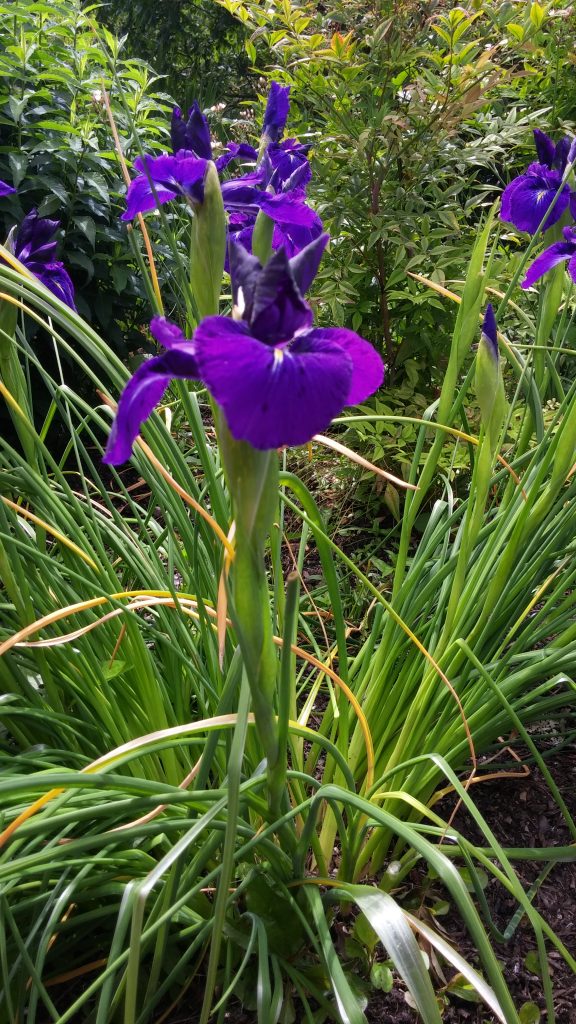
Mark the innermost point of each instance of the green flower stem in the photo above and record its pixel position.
(253, 481)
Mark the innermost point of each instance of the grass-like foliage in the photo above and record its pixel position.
(147, 846)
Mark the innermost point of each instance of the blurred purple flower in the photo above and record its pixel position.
(192, 135)
(275, 185)
(162, 178)
(276, 113)
(33, 243)
(551, 256)
(527, 198)
(5, 190)
(278, 379)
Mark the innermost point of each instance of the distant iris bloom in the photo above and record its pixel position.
(551, 257)
(33, 243)
(276, 113)
(192, 134)
(278, 379)
(275, 184)
(527, 198)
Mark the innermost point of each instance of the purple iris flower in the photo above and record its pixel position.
(5, 190)
(276, 113)
(278, 187)
(162, 178)
(192, 135)
(527, 198)
(551, 256)
(33, 243)
(275, 185)
(278, 379)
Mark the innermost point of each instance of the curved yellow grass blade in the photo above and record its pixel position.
(51, 530)
(139, 744)
(329, 442)
(187, 604)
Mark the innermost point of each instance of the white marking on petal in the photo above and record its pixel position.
(240, 306)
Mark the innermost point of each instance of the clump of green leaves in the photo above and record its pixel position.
(56, 148)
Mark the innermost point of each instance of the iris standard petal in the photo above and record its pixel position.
(545, 148)
(244, 272)
(197, 134)
(34, 236)
(177, 130)
(551, 256)
(526, 200)
(272, 396)
(142, 393)
(284, 158)
(304, 265)
(277, 110)
(278, 309)
(367, 366)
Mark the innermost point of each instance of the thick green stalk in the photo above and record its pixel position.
(253, 481)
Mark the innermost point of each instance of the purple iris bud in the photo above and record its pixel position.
(551, 257)
(278, 379)
(276, 113)
(162, 178)
(6, 190)
(490, 332)
(33, 243)
(193, 134)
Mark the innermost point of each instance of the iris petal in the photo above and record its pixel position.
(140, 198)
(288, 208)
(167, 176)
(551, 256)
(367, 366)
(5, 189)
(526, 199)
(277, 110)
(545, 148)
(142, 393)
(278, 309)
(236, 151)
(272, 396)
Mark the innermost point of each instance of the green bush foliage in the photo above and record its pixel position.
(417, 110)
(56, 148)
